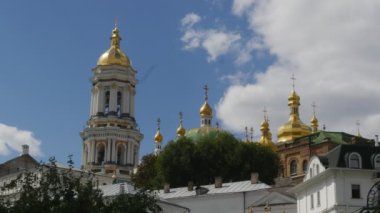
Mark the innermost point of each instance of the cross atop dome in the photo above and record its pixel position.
(294, 81)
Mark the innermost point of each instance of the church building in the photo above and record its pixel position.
(111, 139)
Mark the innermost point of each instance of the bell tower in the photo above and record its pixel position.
(111, 139)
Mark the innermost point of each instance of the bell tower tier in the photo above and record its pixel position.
(111, 139)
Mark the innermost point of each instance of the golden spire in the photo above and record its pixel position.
(181, 131)
(246, 134)
(358, 127)
(158, 137)
(314, 120)
(114, 55)
(294, 128)
(266, 135)
(205, 110)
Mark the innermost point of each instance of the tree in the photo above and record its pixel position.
(56, 190)
(176, 164)
(147, 175)
(201, 161)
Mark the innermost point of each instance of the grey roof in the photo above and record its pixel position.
(116, 189)
(337, 157)
(234, 187)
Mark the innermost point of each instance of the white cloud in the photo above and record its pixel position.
(333, 49)
(12, 138)
(239, 7)
(190, 19)
(215, 42)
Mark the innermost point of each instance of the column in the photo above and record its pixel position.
(125, 153)
(91, 156)
(113, 150)
(109, 150)
(113, 98)
(132, 103)
(125, 101)
(92, 102)
(130, 155)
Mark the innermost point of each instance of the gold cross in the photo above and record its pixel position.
(158, 123)
(294, 80)
(206, 92)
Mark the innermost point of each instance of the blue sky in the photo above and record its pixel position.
(244, 50)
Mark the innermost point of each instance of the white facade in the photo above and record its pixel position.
(335, 189)
(277, 201)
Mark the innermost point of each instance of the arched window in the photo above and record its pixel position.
(304, 166)
(317, 168)
(293, 167)
(118, 105)
(120, 154)
(100, 151)
(376, 162)
(354, 161)
(107, 102)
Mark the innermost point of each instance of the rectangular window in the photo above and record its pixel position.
(355, 191)
(318, 198)
(312, 201)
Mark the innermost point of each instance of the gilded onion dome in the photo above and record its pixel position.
(314, 123)
(158, 136)
(181, 131)
(294, 128)
(114, 55)
(266, 135)
(205, 110)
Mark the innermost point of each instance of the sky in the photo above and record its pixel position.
(245, 51)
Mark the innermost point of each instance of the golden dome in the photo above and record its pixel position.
(266, 135)
(181, 131)
(158, 137)
(294, 128)
(114, 55)
(205, 110)
(314, 120)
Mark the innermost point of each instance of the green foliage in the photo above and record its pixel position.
(176, 164)
(52, 189)
(184, 160)
(147, 176)
(136, 203)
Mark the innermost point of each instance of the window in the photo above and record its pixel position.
(318, 198)
(312, 201)
(100, 153)
(107, 102)
(304, 166)
(376, 162)
(354, 161)
(355, 191)
(118, 105)
(317, 167)
(293, 167)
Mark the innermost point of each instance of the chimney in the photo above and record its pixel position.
(190, 186)
(254, 178)
(166, 188)
(376, 140)
(218, 182)
(25, 149)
